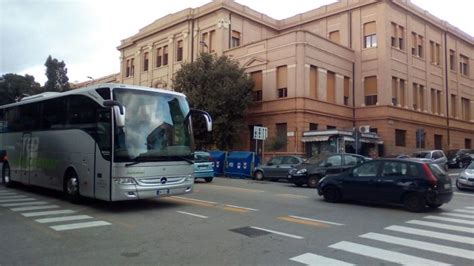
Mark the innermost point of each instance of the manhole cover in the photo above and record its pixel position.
(250, 232)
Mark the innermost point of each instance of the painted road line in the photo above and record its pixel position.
(314, 220)
(454, 174)
(292, 196)
(448, 219)
(34, 214)
(63, 219)
(464, 211)
(78, 225)
(463, 194)
(315, 260)
(442, 249)
(305, 222)
(16, 200)
(470, 208)
(458, 215)
(235, 188)
(277, 233)
(24, 204)
(432, 234)
(193, 214)
(239, 207)
(198, 200)
(2, 197)
(443, 226)
(382, 254)
(34, 208)
(7, 193)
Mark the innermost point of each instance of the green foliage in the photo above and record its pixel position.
(56, 72)
(276, 143)
(219, 86)
(13, 86)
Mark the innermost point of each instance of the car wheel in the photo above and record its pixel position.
(414, 202)
(332, 194)
(458, 186)
(434, 206)
(6, 176)
(71, 187)
(208, 179)
(258, 175)
(313, 181)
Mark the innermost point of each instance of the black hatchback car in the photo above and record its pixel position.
(315, 168)
(459, 158)
(411, 183)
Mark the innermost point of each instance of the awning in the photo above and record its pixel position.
(315, 138)
(365, 140)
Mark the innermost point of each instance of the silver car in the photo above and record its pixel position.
(277, 167)
(433, 156)
(466, 179)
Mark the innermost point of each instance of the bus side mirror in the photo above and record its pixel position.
(206, 115)
(119, 111)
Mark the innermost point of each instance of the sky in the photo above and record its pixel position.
(85, 33)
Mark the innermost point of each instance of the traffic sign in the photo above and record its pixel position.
(260, 133)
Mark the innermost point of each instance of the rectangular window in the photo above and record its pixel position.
(281, 135)
(434, 110)
(438, 142)
(452, 60)
(416, 98)
(421, 91)
(370, 36)
(464, 65)
(417, 45)
(397, 39)
(335, 36)
(328, 127)
(205, 42)
(414, 44)
(370, 89)
(257, 88)
(235, 39)
(394, 91)
(400, 136)
(466, 109)
(313, 82)
(179, 51)
(401, 38)
(212, 41)
(420, 141)
(438, 54)
(132, 67)
(165, 55)
(438, 101)
(394, 37)
(145, 61)
(346, 90)
(282, 81)
(453, 106)
(420, 46)
(467, 144)
(432, 53)
(313, 127)
(127, 68)
(331, 87)
(158, 57)
(402, 92)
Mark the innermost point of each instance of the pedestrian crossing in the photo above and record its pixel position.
(450, 235)
(43, 212)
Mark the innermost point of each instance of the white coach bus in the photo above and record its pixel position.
(111, 142)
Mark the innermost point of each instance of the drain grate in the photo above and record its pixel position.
(250, 232)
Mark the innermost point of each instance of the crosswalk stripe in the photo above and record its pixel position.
(464, 211)
(24, 203)
(16, 200)
(443, 226)
(63, 219)
(3, 197)
(78, 225)
(432, 234)
(448, 219)
(447, 250)
(33, 214)
(314, 260)
(458, 215)
(382, 254)
(34, 208)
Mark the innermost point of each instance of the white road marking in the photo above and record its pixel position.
(63, 219)
(470, 208)
(239, 207)
(198, 200)
(383, 254)
(7, 193)
(454, 174)
(34, 208)
(442, 249)
(464, 211)
(315, 260)
(16, 200)
(24, 203)
(447, 219)
(444, 226)
(314, 220)
(278, 233)
(458, 215)
(193, 214)
(34, 214)
(4, 197)
(433, 234)
(463, 194)
(78, 225)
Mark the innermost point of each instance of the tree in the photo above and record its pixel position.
(219, 86)
(13, 86)
(56, 72)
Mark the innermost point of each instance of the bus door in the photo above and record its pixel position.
(103, 153)
(27, 151)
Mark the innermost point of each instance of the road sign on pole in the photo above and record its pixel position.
(260, 133)
(356, 136)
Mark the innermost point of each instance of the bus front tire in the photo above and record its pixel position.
(71, 187)
(6, 177)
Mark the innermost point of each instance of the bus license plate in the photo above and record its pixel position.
(163, 192)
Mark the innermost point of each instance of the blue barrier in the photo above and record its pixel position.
(240, 164)
(218, 162)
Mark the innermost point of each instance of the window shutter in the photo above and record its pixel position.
(282, 76)
(313, 81)
(370, 85)
(346, 87)
(370, 28)
(331, 89)
(335, 36)
(257, 78)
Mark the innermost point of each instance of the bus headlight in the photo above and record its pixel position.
(125, 180)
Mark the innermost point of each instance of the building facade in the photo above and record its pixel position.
(386, 65)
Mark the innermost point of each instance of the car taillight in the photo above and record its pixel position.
(429, 175)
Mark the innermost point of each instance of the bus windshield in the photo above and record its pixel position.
(155, 127)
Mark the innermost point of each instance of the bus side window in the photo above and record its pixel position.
(54, 114)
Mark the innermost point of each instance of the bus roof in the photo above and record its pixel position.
(86, 91)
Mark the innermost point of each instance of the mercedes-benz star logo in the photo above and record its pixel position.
(163, 180)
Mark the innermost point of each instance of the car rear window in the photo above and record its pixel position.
(202, 157)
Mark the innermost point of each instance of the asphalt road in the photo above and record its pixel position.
(231, 222)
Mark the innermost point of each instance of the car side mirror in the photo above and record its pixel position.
(119, 111)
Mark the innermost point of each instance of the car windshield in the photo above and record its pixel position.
(155, 126)
(422, 155)
(471, 166)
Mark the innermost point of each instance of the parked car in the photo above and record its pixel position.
(466, 179)
(203, 166)
(412, 183)
(315, 168)
(433, 156)
(459, 158)
(277, 167)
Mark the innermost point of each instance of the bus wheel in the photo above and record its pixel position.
(71, 187)
(6, 175)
